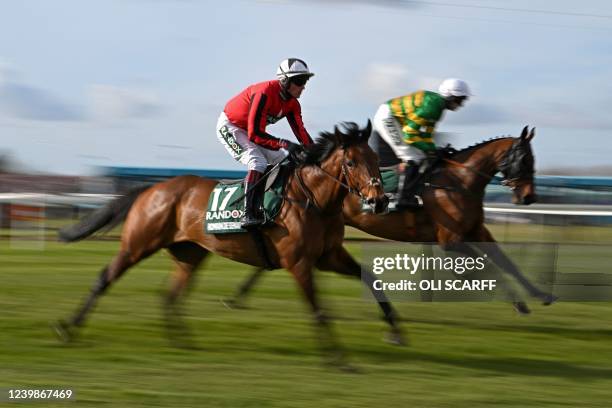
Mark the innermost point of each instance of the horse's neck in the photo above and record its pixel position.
(328, 194)
(481, 164)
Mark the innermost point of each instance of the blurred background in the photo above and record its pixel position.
(98, 97)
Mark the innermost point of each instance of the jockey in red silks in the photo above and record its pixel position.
(241, 128)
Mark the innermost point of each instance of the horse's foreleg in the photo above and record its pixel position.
(237, 301)
(303, 274)
(465, 249)
(495, 254)
(342, 262)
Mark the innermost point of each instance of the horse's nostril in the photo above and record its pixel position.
(371, 201)
(382, 205)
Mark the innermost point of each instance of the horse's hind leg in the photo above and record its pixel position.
(237, 301)
(188, 257)
(340, 261)
(109, 274)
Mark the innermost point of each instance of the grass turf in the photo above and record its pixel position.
(460, 354)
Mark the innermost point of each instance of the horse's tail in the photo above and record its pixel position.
(108, 216)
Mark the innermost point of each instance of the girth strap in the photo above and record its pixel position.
(258, 237)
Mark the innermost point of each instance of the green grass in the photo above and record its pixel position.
(460, 354)
(503, 232)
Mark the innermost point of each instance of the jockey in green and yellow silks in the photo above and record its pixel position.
(407, 125)
(418, 114)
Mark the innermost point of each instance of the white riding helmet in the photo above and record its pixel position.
(454, 87)
(292, 67)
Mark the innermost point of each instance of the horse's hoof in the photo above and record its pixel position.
(62, 330)
(521, 308)
(395, 337)
(180, 337)
(348, 368)
(233, 304)
(186, 345)
(549, 299)
(338, 361)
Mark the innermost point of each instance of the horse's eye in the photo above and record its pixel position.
(350, 163)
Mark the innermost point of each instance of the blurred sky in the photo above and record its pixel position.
(141, 82)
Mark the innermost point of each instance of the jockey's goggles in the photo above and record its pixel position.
(300, 80)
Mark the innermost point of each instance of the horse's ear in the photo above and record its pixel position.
(524, 132)
(337, 135)
(531, 135)
(368, 130)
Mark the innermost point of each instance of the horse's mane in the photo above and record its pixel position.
(350, 134)
(483, 143)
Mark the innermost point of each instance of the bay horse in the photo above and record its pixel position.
(308, 231)
(452, 214)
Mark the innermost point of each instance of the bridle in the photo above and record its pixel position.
(374, 182)
(508, 167)
(511, 182)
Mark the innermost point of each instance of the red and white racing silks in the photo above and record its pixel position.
(261, 104)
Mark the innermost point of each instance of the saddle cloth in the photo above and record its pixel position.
(226, 202)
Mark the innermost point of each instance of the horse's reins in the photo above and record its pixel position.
(310, 196)
(350, 189)
(310, 200)
(473, 170)
(502, 180)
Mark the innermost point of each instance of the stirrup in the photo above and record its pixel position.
(250, 221)
(412, 201)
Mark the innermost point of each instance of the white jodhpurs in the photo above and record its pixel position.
(237, 143)
(390, 131)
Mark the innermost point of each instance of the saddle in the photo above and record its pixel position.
(226, 202)
(391, 177)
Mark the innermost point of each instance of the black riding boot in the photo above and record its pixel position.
(408, 199)
(253, 200)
